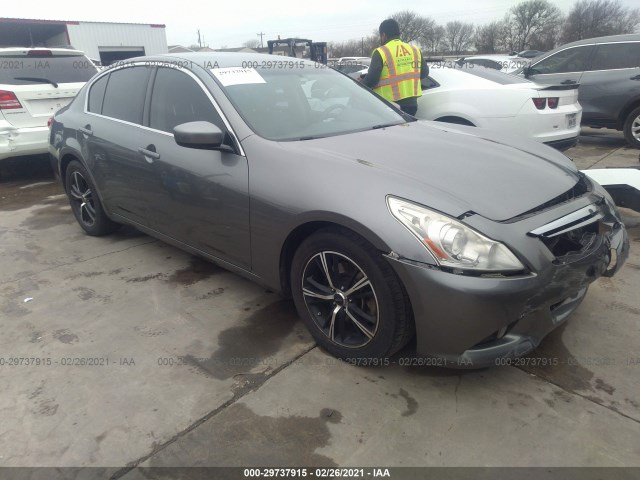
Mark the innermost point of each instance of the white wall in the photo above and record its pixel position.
(88, 36)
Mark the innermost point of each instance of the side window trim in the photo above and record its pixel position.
(146, 113)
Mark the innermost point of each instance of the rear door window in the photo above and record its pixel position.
(177, 99)
(96, 95)
(574, 59)
(611, 56)
(45, 69)
(125, 94)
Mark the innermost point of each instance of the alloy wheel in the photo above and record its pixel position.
(635, 128)
(82, 198)
(340, 299)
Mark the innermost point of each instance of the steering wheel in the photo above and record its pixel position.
(329, 111)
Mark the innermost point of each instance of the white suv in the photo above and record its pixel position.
(34, 84)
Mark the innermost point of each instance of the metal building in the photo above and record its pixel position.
(107, 42)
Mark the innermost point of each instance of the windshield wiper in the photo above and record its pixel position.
(311, 137)
(384, 125)
(37, 79)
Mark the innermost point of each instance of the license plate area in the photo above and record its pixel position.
(571, 120)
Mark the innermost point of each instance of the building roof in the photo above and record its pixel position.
(72, 22)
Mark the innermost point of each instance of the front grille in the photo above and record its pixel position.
(577, 240)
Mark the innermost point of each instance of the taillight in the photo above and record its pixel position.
(540, 103)
(8, 100)
(49, 122)
(40, 53)
(553, 102)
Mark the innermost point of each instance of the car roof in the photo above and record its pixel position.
(490, 57)
(609, 38)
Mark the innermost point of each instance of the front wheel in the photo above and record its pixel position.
(632, 128)
(348, 296)
(85, 202)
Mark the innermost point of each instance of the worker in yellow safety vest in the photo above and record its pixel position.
(396, 69)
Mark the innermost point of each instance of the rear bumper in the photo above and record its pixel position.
(475, 322)
(563, 144)
(15, 142)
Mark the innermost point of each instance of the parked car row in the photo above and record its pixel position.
(34, 82)
(382, 228)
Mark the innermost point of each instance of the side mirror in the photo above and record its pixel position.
(527, 71)
(201, 135)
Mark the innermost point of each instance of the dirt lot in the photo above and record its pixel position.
(148, 356)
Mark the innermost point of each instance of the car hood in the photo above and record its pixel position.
(452, 168)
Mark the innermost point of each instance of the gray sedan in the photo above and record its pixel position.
(380, 227)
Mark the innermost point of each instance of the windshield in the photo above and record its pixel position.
(303, 103)
(30, 70)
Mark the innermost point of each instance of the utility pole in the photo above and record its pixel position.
(362, 48)
(261, 34)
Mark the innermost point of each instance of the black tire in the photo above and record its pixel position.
(632, 128)
(380, 305)
(85, 202)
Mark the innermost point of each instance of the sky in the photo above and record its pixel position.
(231, 23)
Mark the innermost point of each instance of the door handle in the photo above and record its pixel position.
(86, 130)
(149, 153)
(637, 77)
(568, 82)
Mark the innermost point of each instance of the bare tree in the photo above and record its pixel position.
(458, 36)
(596, 18)
(413, 26)
(362, 47)
(529, 20)
(253, 43)
(433, 42)
(488, 37)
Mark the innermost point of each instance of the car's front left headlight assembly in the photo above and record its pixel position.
(452, 243)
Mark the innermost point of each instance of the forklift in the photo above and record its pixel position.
(317, 50)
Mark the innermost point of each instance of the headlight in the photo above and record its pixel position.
(452, 243)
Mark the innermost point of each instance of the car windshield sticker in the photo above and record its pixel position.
(237, 76)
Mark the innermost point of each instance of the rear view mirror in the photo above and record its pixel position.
(202, 135)
(527, 70)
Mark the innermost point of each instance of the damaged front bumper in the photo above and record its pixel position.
(475, 321)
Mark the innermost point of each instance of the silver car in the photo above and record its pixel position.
(380, 227)
(608, 72)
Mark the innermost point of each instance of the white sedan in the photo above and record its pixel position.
(486, 98)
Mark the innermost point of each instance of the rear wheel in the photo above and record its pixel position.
(632, 128)
(350, 299)
(85, 203)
